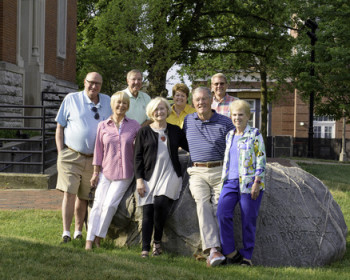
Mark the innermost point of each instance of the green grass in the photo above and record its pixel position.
(30, 249)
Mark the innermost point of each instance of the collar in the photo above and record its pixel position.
(247, 128)
(224, 99)
(128, 92)
(110, 121)
(87, 100)
(186, 109)
(213, 118)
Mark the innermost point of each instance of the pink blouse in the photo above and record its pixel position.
(114, 149)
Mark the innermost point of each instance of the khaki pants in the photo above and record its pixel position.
(205, 187)
(74, 173)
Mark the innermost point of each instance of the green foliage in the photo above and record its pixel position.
(332, 57)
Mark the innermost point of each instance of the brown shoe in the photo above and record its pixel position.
(215, 259)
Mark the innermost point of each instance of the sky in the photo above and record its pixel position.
(173, 78)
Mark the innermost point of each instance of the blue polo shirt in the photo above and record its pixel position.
(77, 118)
(206, 139)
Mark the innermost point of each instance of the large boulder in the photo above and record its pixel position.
(299, 222)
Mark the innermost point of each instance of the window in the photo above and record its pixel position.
(251, 121)
(324, 127)
(61, 28)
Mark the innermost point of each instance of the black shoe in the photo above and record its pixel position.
(65, 239)
(79, 236)
(246, 263)
(236, 259)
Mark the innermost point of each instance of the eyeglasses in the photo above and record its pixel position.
(94, 83)
(97, 115)
(219, 84)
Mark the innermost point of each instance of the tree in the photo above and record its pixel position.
(253, 39)
(150, 35)
(117, 35)
(331, 82)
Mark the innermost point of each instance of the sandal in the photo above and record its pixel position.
(157, 250)
(144, 254)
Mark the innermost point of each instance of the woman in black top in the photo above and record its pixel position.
(157, 171)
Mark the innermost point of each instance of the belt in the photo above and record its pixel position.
(207, 164)
(85, 155)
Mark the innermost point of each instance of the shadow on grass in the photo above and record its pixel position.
(23, 259)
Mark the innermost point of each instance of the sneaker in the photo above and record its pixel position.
(79, 236)
(215, 259)
(66, 239)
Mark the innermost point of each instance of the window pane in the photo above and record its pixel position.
(317, 132)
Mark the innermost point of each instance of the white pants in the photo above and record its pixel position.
(107, 198)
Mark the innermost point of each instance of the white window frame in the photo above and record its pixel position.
(323, 122)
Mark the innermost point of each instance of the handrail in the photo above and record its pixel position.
(50, 102)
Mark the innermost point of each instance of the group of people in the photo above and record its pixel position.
(105, 142)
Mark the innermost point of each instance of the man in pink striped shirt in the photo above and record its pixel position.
(221, 100)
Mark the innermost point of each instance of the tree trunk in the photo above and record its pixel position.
(263, 99)
(157, 82)
(343, 156)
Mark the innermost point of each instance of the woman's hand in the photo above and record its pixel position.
(255, 190)
(140, 187)
(94, 180)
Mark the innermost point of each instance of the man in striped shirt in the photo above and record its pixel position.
(206, 131)
(221, 100)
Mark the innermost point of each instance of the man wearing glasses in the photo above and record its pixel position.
(221, 100)
(77, 121)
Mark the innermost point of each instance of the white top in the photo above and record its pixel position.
(164, 180)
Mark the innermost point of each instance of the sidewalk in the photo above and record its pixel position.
(30, 199)
(15, 199)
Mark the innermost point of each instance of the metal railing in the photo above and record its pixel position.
(44, 142)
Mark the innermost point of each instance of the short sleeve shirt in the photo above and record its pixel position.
(77, 118)
(179, 120)
(137, 108)
(223, 107)
(207, 139)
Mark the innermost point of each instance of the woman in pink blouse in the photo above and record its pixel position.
(113, 167)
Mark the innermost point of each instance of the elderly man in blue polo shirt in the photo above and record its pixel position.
(77, 121)
(206, 131)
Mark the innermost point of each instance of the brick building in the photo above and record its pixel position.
(37, 50)
(289, 116)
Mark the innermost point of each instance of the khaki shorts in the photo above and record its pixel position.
(74, 173)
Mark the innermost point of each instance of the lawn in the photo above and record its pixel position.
(30, 249)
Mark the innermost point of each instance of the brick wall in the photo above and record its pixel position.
(63, 69)
(8, 27)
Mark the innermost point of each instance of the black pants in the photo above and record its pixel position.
(154, 215)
